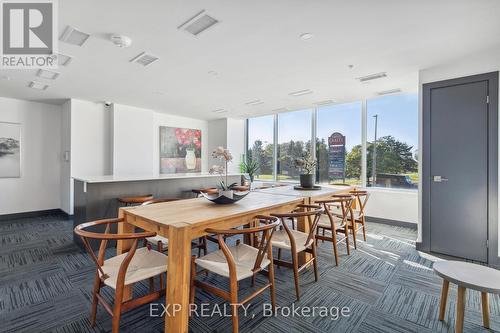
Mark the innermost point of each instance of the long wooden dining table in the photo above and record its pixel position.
(185, 220)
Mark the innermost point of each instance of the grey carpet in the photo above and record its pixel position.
(45, 283)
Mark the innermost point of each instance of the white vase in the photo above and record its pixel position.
(190, 159)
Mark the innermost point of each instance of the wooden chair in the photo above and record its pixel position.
(162, 242)
(210, 190)
(114, 272)
(237, 263)
(297, 241)
(359, 213)
(136, 200)
(336, 223)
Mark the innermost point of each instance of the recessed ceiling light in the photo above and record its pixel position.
(306, 36)
(144, 59)
(4, 77)
(301, 92)
(46, 74)
(198, 23)
(255, 102)
(38, 85)
(326, 102)
(387, 92)
(121, 40)
(213, 73)
(372, 77)
(74, 36)
(219, 111)
(62, 59)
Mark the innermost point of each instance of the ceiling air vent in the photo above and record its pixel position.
(387, 92)
(38, 85)
(198, 23)
(255, 102)
(62, 59)
(74, 36)
(372, 77)
(144, 59)
(46, 74)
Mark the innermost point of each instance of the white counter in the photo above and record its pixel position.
(113, 179)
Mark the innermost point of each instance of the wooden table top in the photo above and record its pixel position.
(201, 210)
(290, 191)
(469, 275)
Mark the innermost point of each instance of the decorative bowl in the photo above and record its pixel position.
(225, 197)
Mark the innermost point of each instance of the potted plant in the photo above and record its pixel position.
(251, 167)
(306, 165)
(227, 192)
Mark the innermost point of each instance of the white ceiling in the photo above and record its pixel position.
(256, 51)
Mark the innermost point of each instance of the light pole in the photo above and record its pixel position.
(374, 162)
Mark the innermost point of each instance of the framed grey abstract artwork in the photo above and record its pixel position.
(10, 150)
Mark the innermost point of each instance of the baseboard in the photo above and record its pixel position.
(34, 214)
(391, 222)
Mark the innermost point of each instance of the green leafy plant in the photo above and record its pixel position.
(251, 167)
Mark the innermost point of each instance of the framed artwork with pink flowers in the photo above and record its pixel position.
(180, 150)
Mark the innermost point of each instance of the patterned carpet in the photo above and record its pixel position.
(45, 283)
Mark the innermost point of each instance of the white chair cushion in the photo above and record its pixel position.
(144, 264)
(156, 239)
(244, 258)
(282, 240)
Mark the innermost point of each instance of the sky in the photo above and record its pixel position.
(397, 116)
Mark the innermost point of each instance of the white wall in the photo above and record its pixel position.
(217, 138)
(398, 205)
(133, 136)
(39, 186)
(228, 133)
(477, 63)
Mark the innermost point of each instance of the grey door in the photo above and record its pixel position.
(459, 170)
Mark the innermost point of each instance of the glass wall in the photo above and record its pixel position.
(261, 145)
(294, 141)
(338, 144)
(391, 148)
(392, 141)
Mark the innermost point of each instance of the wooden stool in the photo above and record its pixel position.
(137, 200)
(467, 275)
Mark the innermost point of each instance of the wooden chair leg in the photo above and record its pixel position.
(96, 290)
(364, 228)
(335, 249)
(205, 250)
(315, 262)
(279, 256)
(162, 285)
(295, 262)
(346, 232)
(234, 305)
(270, 276)
(160, 247)
(117, 310)
(354, 231)
(322, 241)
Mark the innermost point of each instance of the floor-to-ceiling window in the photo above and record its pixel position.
(392, 141)
(294, 141)
(389, 157)
(261, 145)
(338, 144)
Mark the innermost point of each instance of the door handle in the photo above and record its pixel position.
(439, 179)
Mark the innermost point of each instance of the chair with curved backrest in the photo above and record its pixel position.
(297, 241)
(336, 223)
(359, 212)
(114, 272)
(136, 200)
(239, 262)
